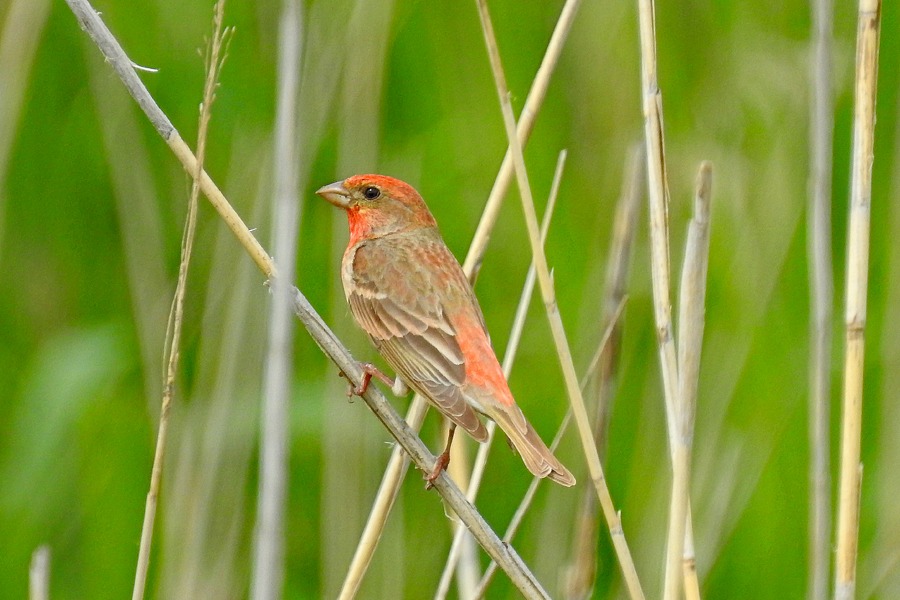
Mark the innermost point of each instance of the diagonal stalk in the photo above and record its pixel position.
(556, 326)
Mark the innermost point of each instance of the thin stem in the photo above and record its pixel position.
(396, 469)
(658, 196)
(530, 110)
(556, 326)
(690, 341)
(821, 287)
(868, 29)
(39, 574)
(268, 551)
(214, 58)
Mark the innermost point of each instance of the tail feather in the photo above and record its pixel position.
(535, 454)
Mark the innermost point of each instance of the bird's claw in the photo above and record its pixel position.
(440, 465)
(369, 370)
(356, 390)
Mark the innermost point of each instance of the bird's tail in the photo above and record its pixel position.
(535, 454)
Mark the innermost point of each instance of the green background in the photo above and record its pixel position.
(92, 205)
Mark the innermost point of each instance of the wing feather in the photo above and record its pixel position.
(411, 330)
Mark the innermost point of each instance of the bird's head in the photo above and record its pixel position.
(378, 205)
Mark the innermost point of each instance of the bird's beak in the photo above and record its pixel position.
(336, 193)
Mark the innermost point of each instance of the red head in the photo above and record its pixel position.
(378, 205)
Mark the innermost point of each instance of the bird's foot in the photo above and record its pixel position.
(369, 370)
(440, 464)
(442, 460)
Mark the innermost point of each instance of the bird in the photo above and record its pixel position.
(408, 292)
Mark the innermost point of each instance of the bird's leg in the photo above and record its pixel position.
(442, 460)
(369, 370)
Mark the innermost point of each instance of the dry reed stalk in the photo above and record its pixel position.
(658, 195)
(556, 326)
(267, 579)
(530, 110)
(867, 37)
(214, 57)
(510, 561)
(582, 569)
(397, 463)
(528, 497)
(39, 574)
(692, 304)
(821, 288)
(508, 359)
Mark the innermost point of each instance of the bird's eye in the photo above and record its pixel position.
(371, 192)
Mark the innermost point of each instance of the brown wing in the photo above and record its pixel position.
(395, 293)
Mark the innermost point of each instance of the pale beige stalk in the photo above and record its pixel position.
(39, 574)
(556, 326)
(658, 194)
(867, 37)
(692, 304)
(396, 469)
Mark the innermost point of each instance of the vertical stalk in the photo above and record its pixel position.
(868, 28)
(821, 288)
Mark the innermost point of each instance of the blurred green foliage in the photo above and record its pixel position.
(91, 209)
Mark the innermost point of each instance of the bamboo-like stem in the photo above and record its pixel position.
(396, 468)
(690, 341)
(267, 579)
(530, 110)
(582, 568)
(556, 326)
(868, 29)
(528, 497)
(821, 288)
(658, 196)
(214, 57)
(508, 558)
(39, 574)
(509, 358)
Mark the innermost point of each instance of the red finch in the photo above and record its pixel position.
(408, 292)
